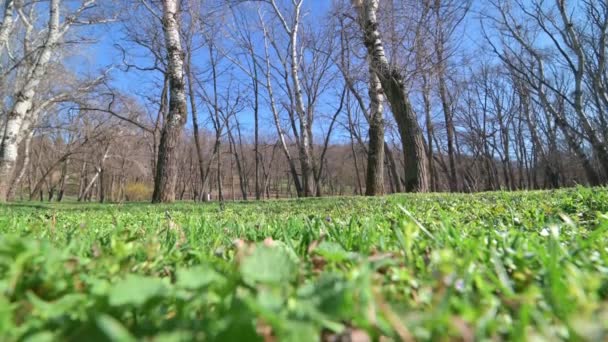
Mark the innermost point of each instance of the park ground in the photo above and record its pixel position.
(492, 266)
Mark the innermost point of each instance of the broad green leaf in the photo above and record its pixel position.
(68, 304)
(136, 290)
(197, 277)
(6, 315)
(269, 264)
(44, 336)
(301, 332)
(334, 252)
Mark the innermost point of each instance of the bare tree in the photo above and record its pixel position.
(538, 68)
(36, 66)
(6, 24)
(166, 169)
(393, 84)
(297, 109)
(447, 16)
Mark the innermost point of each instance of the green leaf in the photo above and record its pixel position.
(300, 332)
(43, 336)
(197, 277)
(177, 336)
(113, 329)
(270, 265)
(68, 304)
(333, 295)
(136, 290)
(334, 252)
(270, 300)
(6, 315)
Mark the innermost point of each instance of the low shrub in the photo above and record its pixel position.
(138, 192)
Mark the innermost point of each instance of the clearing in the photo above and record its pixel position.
(407, 267)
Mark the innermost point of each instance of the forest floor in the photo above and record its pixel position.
(502, 266)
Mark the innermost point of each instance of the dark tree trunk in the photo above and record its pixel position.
(429, 131)
(374, 184)
(393, 168)
(64, 179)
(449, 126)
(195, 127)
(102, 184)
(416, 170)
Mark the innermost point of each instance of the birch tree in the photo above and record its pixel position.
(6, 25)
(292, 63)
(393, 85)
(374, 182)
(21, 109)
(166, 168)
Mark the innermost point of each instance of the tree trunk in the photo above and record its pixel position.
(449, 127)
(256, 110)
(24, 166)
(233, 193)
(166, 169)
(64, 179)
(7, 24)
(445, 99)
(98, 172)
(220, 193)
(102, 186)
(351, 128)
(416, 170)
(113, 188)
(195, 127)
(45, 174)
(426, 97)
(305, 131)
(23, 103)
(239, 162)
(83, 179)
(374, 184)
(277, 123)
(393, 168)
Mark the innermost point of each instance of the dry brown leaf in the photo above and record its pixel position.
(348, 335)
(393, 319)
(269, 242)
(318, 263)
(466, 332)
(265, 331)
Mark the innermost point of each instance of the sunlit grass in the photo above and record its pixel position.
(423, 267)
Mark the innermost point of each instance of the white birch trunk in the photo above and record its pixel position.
(305, 145)
(98, 170)
(23, 103)
(7, 23)
(166, 169)
(277, 122)
(305, 154)
(26, 163)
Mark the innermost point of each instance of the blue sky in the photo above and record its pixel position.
(103, 53)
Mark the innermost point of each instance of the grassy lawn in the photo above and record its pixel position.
(410, 267)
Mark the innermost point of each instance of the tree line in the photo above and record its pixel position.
(254, 99)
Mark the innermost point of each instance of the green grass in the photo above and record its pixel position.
(501, 266)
